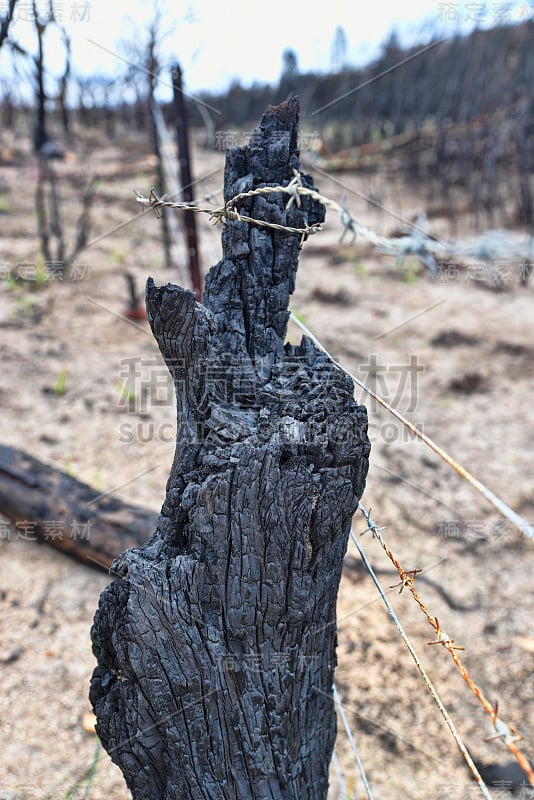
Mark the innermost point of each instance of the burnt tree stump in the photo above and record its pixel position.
(216, 641)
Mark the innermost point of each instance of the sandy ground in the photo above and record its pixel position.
(455, 355)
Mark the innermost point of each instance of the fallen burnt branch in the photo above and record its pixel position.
(44, 504)
(216, 645)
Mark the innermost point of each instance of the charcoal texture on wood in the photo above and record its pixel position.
(216, 643)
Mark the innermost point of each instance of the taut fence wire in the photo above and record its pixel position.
(519, 522)
(505, 733)
(422, 671)
(489, 247)
(339, 775)
(341, 710)
(295, 190)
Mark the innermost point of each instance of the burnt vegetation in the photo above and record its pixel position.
(457, 119)
(461, 111)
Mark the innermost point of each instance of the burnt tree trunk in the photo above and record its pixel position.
(40, 133)
(166, 234)
(186, 178)
(216, 645)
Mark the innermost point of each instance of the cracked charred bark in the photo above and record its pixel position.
(216, 641)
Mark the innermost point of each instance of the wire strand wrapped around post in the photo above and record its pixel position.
(216, 644)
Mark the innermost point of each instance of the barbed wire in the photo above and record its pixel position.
(490, 246)
(503, 508)
(426, 678)
(296, 190)
(505, 733)
(226, 213)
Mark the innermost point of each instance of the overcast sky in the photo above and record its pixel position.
(217, 42)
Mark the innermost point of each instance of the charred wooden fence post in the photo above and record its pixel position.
(216, 642)
(184, 159)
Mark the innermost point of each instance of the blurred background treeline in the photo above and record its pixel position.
(459, 111)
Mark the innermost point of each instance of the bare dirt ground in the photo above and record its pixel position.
(85, 391)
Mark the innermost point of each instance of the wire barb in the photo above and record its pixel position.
(435, 696)
(505, 733)
(293, 188)
(489, 247)
(406, 579)
(420, 244)
(348, 222)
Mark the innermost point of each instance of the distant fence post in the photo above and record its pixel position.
(216, 643)
(186, 178)
(156, 144)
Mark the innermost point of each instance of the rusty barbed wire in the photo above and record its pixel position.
(422, 671)
(505, 733)
(488, 247)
